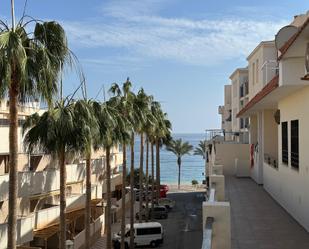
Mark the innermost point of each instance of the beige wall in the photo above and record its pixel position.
(270, 134)
(226, 153)
(257, 76)
(287, 185)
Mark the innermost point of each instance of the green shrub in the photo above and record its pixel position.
(194, 182)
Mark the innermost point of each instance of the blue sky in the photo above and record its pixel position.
(180, 51)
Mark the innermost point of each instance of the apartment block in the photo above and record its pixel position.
(39, 190)
(277, 107)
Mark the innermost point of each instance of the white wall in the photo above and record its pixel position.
(287, 185)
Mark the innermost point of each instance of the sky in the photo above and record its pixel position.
(180, 51)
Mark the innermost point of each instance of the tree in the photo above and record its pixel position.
(201, 150)
(143, 103)
(87, 130)
(161, 135)
(29, 69)
(122, 97)
(179, 148)
(54, 133)
(111, 126)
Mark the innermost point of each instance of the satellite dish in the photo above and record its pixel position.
(307, 59)
(284, 34)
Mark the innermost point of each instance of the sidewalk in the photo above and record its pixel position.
(101, 243)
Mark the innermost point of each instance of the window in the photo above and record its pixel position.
(257, 71)
(148, 231)
(294, 144)
(284, 142)
(253, 73)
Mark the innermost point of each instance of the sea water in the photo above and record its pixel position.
(192, 167)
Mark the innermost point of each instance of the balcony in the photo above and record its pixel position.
(49, 216)
(40, 182)
(24, 231)
(258, 221)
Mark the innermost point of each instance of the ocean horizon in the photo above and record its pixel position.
(192, 167)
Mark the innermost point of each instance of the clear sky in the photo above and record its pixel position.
(180, 51)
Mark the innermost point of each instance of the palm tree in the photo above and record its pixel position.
(29, 69)
(111, 126)
(179, 148)
(54, 133)
(143, 103)
(87, 130)
(201, 150)
(161, 136)
(121, 95)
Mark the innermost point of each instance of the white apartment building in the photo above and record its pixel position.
(279, 117)
(38, 191)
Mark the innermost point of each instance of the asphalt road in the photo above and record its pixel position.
(183, 228)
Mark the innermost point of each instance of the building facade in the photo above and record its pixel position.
(277, 106)
(39, 190)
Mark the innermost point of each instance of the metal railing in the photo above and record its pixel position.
(271, 160)
(207, 233)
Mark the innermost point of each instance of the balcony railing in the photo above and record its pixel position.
(24, 231)
(271, 161)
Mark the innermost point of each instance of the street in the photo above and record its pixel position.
(183, 228)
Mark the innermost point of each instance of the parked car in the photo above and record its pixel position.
(145, 234)
(159, 212)
(168, 203)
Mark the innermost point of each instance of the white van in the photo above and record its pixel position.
(150, 233)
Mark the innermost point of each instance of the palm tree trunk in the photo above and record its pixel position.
(63, 178)
(141, 164)
(108, 201)
(158, 169)
(88, 201)
(147, 177)
(132, 198)
(152, 178)
(13, 14)
(179, 168)
(13, 146)
(123, 194)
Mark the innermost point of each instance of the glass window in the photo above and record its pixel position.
(284, 142)
(294, 144)
(148, 231)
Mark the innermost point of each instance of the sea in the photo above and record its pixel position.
(192, 167)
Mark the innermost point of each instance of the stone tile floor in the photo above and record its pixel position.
(258, 221)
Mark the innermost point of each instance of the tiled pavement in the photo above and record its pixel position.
(258, 221)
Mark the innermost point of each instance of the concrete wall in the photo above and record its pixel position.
(226, 154)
